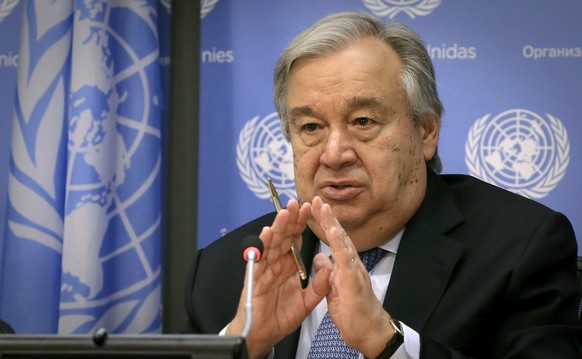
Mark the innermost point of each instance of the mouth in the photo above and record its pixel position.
(334, 191)
(339, 187)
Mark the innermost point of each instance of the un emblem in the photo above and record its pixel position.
(114, 161)
(519, 150)
(391, 8)
(263, 152)
(87, 163)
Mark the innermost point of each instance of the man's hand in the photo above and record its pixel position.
(357, 313)
(280, 303)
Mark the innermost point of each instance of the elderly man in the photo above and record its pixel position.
(464, 269)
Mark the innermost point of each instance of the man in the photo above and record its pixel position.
(470, 270)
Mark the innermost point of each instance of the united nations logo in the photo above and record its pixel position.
(519, 150)
(391, 8)
(106, 186)
(263, 152)
(87, 159)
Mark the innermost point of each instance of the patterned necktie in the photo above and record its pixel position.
(328, 342)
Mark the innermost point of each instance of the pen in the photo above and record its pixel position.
(294, 249)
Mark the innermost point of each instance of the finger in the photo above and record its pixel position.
(293, 209)
(272, 245)
(290, 222)
(304, 216)
(319, 286)
(279, 243)
(316, 204)
(294, 224)
(325, 218)
(266, 236)
(278, 259)
(343, 250)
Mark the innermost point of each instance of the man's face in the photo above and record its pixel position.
(354, 143)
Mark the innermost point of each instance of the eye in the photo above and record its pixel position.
(310, 127)
(362, 121)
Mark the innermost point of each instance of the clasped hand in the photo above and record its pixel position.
(281, 304)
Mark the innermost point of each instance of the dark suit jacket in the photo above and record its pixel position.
(480, 272)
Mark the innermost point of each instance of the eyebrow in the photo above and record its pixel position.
(353, 103)
(358, 102)
(300, 111)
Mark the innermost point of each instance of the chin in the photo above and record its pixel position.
(347, 217)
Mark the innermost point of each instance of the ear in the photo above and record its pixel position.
(429, 131)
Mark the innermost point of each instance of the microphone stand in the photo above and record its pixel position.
(252, 257)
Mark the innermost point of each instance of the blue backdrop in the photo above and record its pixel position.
(509, 74)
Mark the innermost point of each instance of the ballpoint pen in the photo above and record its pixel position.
(294, 249)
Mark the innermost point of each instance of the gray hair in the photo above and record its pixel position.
(339, 30)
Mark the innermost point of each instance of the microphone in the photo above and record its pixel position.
(252, 250)
(252, 243)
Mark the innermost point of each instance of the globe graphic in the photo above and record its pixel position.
(112, 218)
(518, 148)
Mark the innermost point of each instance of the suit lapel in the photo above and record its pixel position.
(426, 257)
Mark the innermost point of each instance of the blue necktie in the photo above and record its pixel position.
(328, 342)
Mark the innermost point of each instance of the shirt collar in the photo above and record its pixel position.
(390, 245)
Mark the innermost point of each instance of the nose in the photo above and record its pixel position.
(338, 150)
